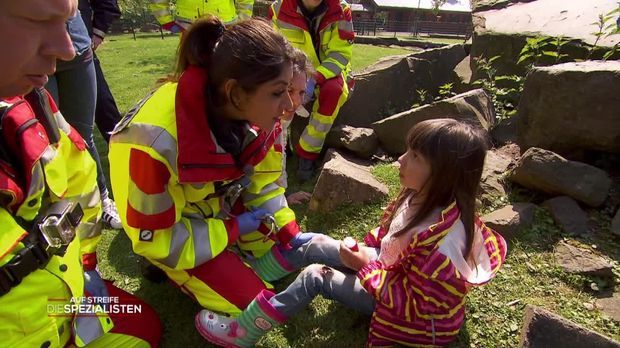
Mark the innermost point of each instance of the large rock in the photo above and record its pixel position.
(548, 172)
(361, 141)
(342, 182)
(542, 328)
(511, 219)
(582, 261)
(503, 32)
(389, 86)
(491, 186)
(571, 106)
(568, 215)
(475, 106)
(610, 305)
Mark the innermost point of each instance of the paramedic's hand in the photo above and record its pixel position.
(250, 220)
(96, 41)
(353, 259)
(310, 85)
(94, 285)
(301, 239)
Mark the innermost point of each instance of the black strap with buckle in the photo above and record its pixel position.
(32, 257)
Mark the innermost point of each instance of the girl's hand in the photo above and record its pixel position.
(353, 259)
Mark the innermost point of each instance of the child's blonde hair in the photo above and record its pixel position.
(455, 152)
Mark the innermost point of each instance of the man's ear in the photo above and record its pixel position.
(233, 93)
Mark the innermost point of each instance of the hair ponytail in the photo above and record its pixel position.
(197, 44)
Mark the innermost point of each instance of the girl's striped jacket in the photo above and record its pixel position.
(421, 298)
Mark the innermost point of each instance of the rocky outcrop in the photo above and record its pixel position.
(474, 106)
(568, 215)
(342, 182)
(582, 261)
(361, 141)
(542, 328)
(571, 106)
(390, 85)
(510, 220)
(503, 32)
(548, 172)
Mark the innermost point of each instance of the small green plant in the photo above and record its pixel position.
(445, 91)
(423, 98)
(606, 25)
(543, 50)
(505, 90)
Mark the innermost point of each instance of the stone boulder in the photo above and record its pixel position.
(511, 219)
(475, 106)
(343, 182)
(571, 106)
(582, 261)
(610, 305)
(568, 215)
(615, 224)
(505, 131)
(361, 141)
(390, 85)
(503, 31)
(542, 328)
(491, 186)
(548, 172)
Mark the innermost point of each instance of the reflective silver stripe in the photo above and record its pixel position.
(179, 237)
(285, 25)
(48, 155)
(62, 123)
(248, 197)
(149, 204)
(337, 56)
(37, 181)
(312, 141)
(202, 242)
(275, 204)
(320, 127)
(161, 13)
(87, 328)
(345, 26)
(151, 136)
(333, 67)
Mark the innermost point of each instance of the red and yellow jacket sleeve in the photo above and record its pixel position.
(336, 47)
(167, 222)
(244, 8)
(265, 193)
(161, 11)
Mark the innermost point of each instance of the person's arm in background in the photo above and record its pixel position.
(105, 12)
(339, 49)
(244, 8)
(163, 13)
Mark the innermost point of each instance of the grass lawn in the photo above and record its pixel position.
(494, 312)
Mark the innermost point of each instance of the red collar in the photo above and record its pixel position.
(291, 13)
(198, 160)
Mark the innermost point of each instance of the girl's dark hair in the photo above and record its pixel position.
(455, 152)
(251, 51)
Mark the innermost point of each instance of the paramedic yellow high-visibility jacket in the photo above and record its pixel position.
(329, 46)
(166, 166)
(187, 11)
(49, 172)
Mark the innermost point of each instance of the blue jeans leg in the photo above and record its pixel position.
(328, 282)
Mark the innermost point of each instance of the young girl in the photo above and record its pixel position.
(297, 91)
(416, 268)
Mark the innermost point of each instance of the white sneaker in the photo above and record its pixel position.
(110, 214)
